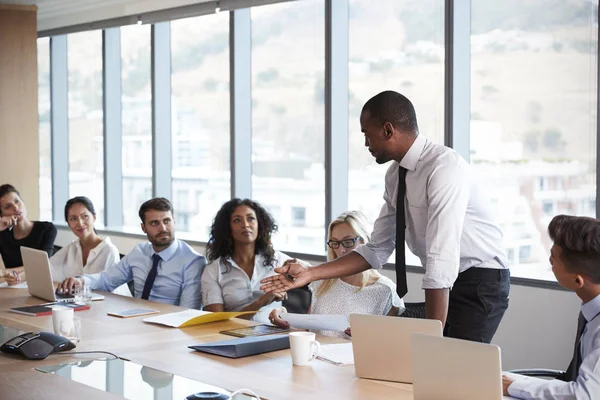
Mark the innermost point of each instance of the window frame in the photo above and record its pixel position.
(456, 106)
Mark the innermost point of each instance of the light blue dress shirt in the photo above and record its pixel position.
(177, 281)
(587, 385)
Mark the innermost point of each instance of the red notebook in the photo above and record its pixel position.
(46, 309)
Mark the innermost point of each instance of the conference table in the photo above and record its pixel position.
(270, 375)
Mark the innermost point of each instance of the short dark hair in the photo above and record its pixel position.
(87, 203)
(579, 238)
(157, 204)
(6, 189)
(220, 242)
(392, 107)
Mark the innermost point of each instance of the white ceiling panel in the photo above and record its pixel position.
(54, 14)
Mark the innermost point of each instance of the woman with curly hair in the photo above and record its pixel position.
(240, 254)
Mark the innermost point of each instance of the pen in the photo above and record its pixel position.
(16, 275)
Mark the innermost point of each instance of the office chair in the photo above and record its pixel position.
(541, 373)
(130, 283)
(298, 300)
(414, 310)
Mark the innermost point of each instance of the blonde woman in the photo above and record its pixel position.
(365, 293)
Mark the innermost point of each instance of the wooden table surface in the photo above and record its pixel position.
(270, 375)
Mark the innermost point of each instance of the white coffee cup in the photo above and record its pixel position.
(304, 347)
(61, 314)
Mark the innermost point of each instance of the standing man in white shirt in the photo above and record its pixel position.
(444, 218)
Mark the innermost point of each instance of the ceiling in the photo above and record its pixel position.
(54, 14)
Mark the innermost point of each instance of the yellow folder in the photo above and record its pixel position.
(193, 317)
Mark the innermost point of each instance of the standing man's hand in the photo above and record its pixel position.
(292, 274)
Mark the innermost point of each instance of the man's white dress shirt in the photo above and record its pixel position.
(449, 224)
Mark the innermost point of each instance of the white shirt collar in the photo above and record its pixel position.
(591, 308)
(412, 156)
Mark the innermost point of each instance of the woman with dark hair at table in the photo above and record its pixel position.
(17, 230)
(240, 254)
(88, 253)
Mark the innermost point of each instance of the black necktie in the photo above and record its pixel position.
(573, 370)
(151, 276)
(401, 286)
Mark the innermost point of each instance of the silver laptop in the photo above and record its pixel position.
(381, 345)
(39, 277)
(453, 369)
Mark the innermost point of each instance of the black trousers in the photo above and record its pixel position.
(477, 304)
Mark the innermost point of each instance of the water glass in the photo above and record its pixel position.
(71, 330)
(83, 295)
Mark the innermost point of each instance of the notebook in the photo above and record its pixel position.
(46, 309)
(243, 347)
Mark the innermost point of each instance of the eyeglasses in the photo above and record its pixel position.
(347, 243)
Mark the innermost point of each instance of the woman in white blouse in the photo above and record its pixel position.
(89, 253)
(367, 292)
(240, 254)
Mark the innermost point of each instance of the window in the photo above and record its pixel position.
(43, 45)
(533, 99)
(182, 221)
(288, 116)
(182, 199)
(136, 117)
(548, 207)
(86, 136)
(524, 253)
(299, 217)
(200, 116)
(397, 45)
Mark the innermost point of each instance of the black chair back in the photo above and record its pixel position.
(298, 300)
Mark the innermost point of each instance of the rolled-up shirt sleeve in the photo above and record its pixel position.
(448, 192)
(211, 289)
(383, 238)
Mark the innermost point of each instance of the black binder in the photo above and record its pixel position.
(247, 346)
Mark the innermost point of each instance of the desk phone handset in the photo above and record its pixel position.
(37, 345)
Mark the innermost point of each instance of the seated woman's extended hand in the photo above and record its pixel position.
(268, 298)
(14, 277)
(276, 319)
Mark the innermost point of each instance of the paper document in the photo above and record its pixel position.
(193, 317)
(5, 285)
(317, 321)
(338, 354)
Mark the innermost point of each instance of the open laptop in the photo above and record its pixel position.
(454, 369)
(381, 345)
(39, 277)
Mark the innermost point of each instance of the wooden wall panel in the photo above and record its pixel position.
(19, 138)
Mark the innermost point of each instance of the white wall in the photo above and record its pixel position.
(538, 329)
